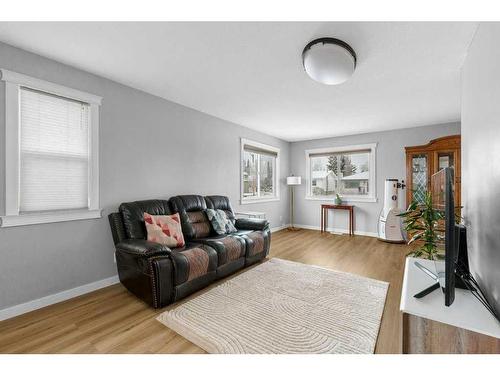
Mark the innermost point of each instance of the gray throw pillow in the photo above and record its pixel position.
(219, 221)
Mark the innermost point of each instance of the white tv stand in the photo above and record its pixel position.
(431, 327)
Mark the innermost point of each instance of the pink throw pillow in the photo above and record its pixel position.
(164, 229)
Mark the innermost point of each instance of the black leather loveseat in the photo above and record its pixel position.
(159, 275)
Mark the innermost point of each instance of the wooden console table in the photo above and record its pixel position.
(431, 327)
(324, 215)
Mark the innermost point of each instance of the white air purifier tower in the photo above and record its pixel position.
(390, 227)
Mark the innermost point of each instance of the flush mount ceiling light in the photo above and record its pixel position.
(328, 60)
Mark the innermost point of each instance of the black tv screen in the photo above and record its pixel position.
(444, 203)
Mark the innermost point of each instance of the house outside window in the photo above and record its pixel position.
(51, 152)
(348, 171)
(259, 172)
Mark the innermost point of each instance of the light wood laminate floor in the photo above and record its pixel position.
(111, 320)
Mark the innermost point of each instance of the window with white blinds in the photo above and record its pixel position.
(54, 152)
(51, 152)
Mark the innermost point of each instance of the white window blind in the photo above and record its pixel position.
(54, 152)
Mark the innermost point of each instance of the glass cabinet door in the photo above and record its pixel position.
(444, 160)
(419, 166)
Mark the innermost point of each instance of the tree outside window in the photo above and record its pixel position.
(340, 173)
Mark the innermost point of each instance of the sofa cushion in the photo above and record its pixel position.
(133, 215)
(221, 202)
(228, 247)
(257, 244)
(193, 261)
(198, 261)
(164, 229)
(200, 224)
(219, 221)
(235, 249)
(190, 202)
(194, 220)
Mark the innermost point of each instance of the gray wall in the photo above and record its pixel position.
(390, 164)
(480, 158)
(150, 148)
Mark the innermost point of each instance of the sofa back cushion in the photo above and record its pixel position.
(221, 202)
(133, 215)
(194, 220)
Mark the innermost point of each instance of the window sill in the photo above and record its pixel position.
(344, 199)
(259, 200)
(49, 217)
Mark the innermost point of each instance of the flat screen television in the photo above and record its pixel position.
(447, 243)
(451, 262)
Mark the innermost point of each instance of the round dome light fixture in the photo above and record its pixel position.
(328, 60)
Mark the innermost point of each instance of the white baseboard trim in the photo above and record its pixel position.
(36, 304)
(276, 229)
(337, 230)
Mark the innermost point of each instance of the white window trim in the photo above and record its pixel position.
(371, 198)
(263, 146)
(13, 83)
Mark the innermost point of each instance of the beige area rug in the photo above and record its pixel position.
(284, 307)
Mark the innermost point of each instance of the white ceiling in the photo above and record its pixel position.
(408, 73)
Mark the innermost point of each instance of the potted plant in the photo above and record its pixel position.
(338, 199)
(424, 225)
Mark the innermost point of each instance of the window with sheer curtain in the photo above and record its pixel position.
(51, 152)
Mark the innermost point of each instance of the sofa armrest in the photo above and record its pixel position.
(142, 248)
(252, 224)
(150, 278)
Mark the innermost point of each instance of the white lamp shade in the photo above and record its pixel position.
(330, 64)
(293, 180)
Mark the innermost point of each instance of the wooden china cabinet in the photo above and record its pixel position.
(423, 161)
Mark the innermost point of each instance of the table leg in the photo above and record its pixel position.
(352, 221)
(321, 225)
(349, 222)
(351, 214)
